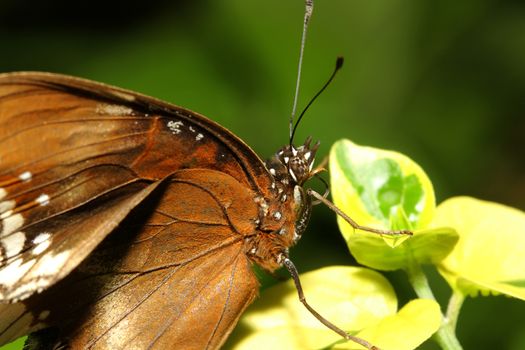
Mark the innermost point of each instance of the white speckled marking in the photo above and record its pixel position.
(13, 244)
(307, 155)
(25, 176)
(11, 224)
(292, 174)
(43, 199)
(174, 126)
(199, 137)
(277, 215)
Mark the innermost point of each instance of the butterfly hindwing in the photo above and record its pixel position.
(174, 275)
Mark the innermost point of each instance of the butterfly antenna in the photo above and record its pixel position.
(338, 65)
(307, 15)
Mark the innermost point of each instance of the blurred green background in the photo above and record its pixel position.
(443, 82)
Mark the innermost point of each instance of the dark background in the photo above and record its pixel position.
(442, 82)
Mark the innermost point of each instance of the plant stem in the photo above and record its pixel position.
(453, 308)
(445, 336)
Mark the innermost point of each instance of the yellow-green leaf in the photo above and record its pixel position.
(425, 247)
(358, 300)
(489, 256)
(386, 189)
(380, 188)
(353, 298)
(409, 328)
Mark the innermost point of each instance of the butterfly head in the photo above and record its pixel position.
(293, 165)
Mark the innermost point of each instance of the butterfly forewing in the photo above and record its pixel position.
(77, 159)
(64, 142)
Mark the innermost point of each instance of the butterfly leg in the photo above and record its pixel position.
(295, 276)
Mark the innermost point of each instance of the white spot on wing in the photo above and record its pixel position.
(199, 137)
(13, 271)
(7, 205)
(41, 242)
(51, 264)
(14, 243)
(43, 199)
(277, 215)
(25, 176)
(113, 109)
(41, 237)
(11, 223)
(25, 290)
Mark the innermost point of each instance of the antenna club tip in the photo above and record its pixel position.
(339, 62)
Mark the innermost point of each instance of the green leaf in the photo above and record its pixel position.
(489, 255)
(352, 298)
(15, 345)
(385, 189)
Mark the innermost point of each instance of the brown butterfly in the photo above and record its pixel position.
(77, 158)
(128, 222)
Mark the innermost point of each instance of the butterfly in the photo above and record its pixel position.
(189, 206)
(78, 157)
(129, 222)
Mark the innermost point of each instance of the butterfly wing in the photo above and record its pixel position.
(77, 156)
(174, 275)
